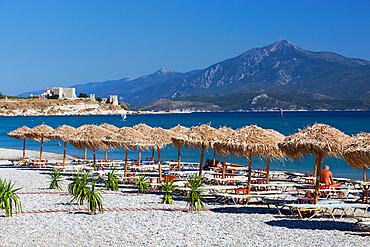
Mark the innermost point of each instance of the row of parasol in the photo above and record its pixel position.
(320, 140)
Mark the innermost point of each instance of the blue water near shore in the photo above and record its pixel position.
(350, 123)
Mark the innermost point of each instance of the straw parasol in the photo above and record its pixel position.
(179, 132)
(61, 133)
(252, 140)
(144, 140)
(199, 137)
(20, 135)
(357, 154)
(127, 138)
(37, 133)
(159, 138)
(89, 136)
(225, 132)
(320, 140)
(111, 128)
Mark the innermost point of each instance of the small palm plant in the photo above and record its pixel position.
(8, 199)
(168, 189)
(79, 188)
(142, 184)
(194, 195)
(112, 182)
(94, 200)
(55, 179)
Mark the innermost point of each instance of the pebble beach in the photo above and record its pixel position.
(48, 219)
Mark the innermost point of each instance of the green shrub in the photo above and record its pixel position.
(9, 201)
(94, 200)
(194, 195)
(168, 189)
(142, 184)
(112, 182)
(79, 188)
(55, 179)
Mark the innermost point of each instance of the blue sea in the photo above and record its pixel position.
(350, 123)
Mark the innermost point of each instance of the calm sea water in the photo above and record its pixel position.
(349, 122)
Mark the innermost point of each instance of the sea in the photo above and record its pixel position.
(350, 123)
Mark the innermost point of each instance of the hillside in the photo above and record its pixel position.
(280, 67)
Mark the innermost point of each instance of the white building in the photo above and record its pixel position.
(66, 93)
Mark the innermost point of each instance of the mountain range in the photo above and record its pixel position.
(280, 75)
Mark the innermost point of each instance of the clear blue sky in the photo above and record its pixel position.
(62, 43)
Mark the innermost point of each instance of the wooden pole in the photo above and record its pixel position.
(249, 174)
(126, 155)
(224, 166)
(106, 154)
(159, 165)
(64, 156)
(201, 161)
(85, 153)
(139, 157)
(268, 169)
(214, 157)
(364, 173)
(24, 148)
(315, 170)
(318, 169)
(42, 144)
(178, 158)
(94, 159)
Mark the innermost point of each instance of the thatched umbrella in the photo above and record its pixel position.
(252, 140)
(111, 128)
(179, 132)
(61, 133)
(159, 138)
(200, 137)
(144, 141)
(89, 136)
(320, 140)
(37, 133)
(225, 132)
(127, 138)
(357, 154)
(20, 135)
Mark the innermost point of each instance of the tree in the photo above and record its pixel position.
(55, 96)
(83, 95)
(98, 99)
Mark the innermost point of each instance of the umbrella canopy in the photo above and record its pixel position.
(110, 127)
(178, 132)
(19, 133)
(199, 137)
(357, 154)
(320, 140)
(225, 132)
(61, 133)
(38, 132)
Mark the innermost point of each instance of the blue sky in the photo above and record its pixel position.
(62, 43)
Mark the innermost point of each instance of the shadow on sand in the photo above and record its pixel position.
(312, 224)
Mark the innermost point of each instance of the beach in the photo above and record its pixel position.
(7, 154)
(141, 220)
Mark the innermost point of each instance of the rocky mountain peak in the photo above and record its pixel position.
(282, 45)
(165, 70)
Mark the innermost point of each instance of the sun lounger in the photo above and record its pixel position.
(278, 203)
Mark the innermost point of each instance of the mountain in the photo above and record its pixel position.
(280, 67)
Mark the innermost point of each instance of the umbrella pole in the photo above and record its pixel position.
(85, 153)
(214, 157)
(94, 160)
(42, 144)
(224, 166)
(106, 154)
(64, 156)
(364, 173)
(159, 165)
(139, 156)
(178, 159)
(268, 169)
(126, 162)
(249, 174)
(318, 168)
(24, 148)
(201, 160)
